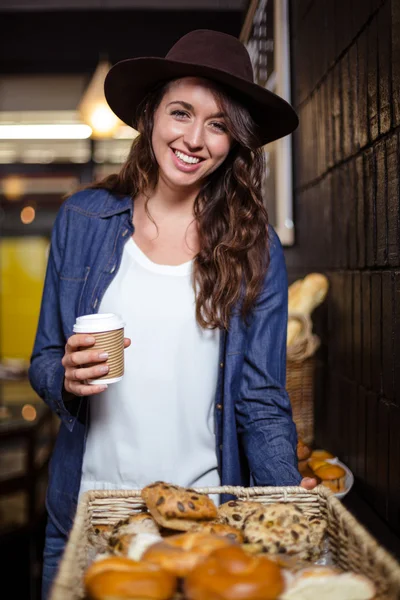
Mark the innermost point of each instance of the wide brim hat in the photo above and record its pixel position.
(214, 55)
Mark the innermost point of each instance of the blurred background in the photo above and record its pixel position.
(332, 192)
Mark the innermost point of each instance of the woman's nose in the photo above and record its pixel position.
(194, 137)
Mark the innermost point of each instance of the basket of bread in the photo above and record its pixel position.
(304, 296)
(166, 542)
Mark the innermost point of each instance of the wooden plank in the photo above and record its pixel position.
(393, 199)
(381, 205)
(388, 333)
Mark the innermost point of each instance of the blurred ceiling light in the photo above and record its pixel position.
(12, 187)
(93, 108)
(28, 214)
(28, 412)
(45, 132)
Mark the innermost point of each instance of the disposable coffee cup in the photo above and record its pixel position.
(108, 331)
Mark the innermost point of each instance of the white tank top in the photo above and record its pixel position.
(157, 423)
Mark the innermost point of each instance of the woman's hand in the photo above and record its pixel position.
(308, 483)
(78, 353)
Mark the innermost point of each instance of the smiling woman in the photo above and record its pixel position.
(178, 244)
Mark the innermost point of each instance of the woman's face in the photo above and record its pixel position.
(190, 139)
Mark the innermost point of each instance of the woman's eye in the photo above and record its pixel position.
(179, 113)
(220, 126)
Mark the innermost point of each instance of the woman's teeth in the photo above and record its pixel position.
(185, 158)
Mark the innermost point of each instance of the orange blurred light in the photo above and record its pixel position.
(28, 412)
(13, 187)
(28, 215)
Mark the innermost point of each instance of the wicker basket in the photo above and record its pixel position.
(351, 546)
(300, 387)
(300, 369)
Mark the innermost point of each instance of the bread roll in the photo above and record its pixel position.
(175, 507)
(323, 583)
(232, 574)
(121, 578)
(179, 554)
(303, 451)
(222, 529)
(323, 454)
(332, 477)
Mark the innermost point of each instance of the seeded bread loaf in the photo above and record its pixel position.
(175, 507)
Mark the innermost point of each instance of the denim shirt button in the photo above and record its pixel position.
(219, 406)
(221, 446)
(125, 232)
(221, 365)
(95, 303)
(113, 269)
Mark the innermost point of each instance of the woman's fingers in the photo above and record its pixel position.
(78, 340)
(83, 357)
(82, 374)
(127, 342)
(309, 483)
(81, 389)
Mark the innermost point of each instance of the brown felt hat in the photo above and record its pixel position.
(201, 53)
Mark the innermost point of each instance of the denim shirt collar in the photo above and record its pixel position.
(113, 206)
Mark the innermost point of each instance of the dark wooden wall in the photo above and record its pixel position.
(346, 88)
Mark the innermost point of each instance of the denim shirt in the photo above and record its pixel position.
(255, 433)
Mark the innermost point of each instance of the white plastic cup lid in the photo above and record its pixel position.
(97, 323)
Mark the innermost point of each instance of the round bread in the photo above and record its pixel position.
(179, 554)
(305, 469)
(315, 463)
(322, 454)
(141, 522)
(235, 512)
(328, 584)
(303, 451)
(122, 578)
(176, 507)
(231, 574)
(332, 476)
(125, 531)
(281, 528)
(98, 537)
(222, 529)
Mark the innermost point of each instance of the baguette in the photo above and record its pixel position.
(304, 296)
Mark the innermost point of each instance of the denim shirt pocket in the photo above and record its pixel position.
(72, 285)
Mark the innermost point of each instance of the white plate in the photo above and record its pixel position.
(349, 479)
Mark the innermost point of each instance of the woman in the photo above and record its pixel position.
(178, 244)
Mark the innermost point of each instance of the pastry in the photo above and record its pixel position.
(179, 554)
(121, 578)
(281, 528)
(304, 296)
(124, 532)
(303, 451)
(222, 529)
(98, 537)
(322, 454)
(235, 512)
(328, 584)
(176, 507)
(231, 574)
(332, 477)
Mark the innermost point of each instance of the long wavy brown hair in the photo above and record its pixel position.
(232, 221)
